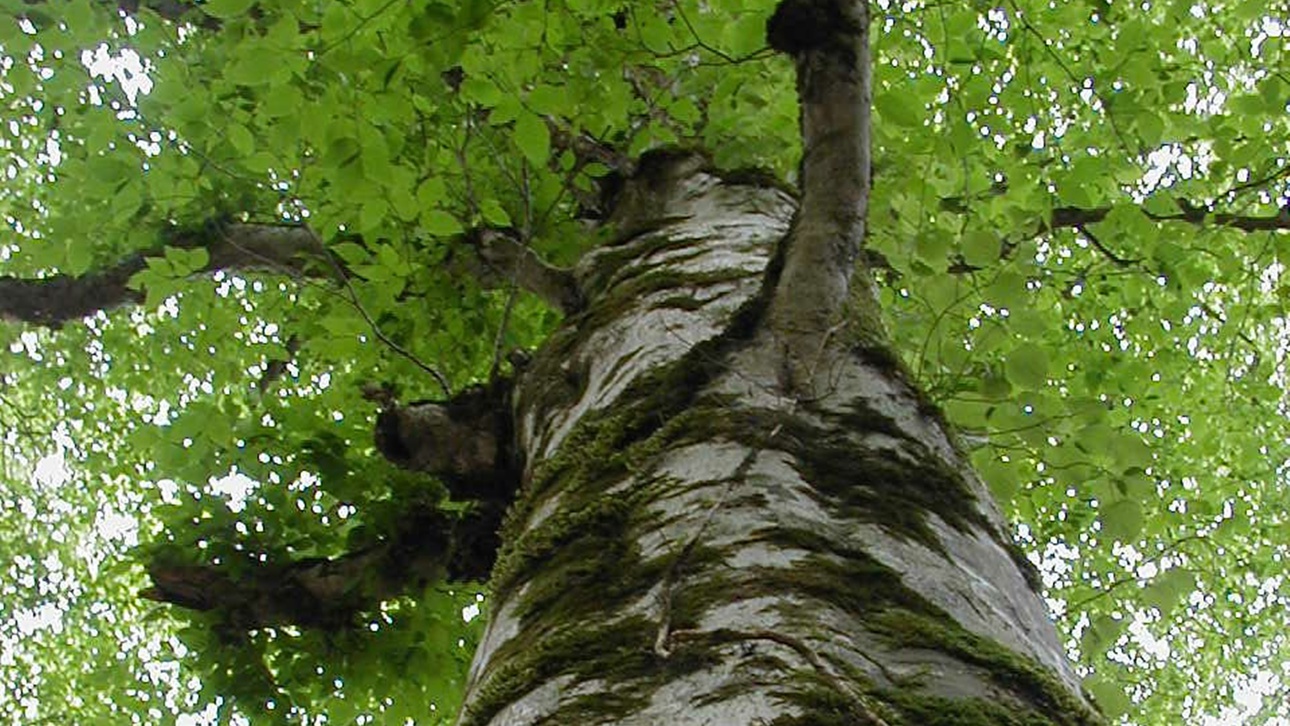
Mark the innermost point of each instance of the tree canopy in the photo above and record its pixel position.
(234, 228)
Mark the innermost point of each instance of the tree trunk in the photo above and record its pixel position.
(697, 542)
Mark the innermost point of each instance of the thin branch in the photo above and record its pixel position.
(376, 329)
(1106, 251)
(1078, 217)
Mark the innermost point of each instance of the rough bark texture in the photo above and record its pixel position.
(733, 514)
(696, 542)
(829, 43)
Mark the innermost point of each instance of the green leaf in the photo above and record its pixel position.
(980, 248)
(351, 253)
(549, 100)
(533, 138)
(899, 108)
(1122, 521)
(481, 90)
(494, 214)
(1009, 290)
(1168, 588)
(1131, 452)
(431, 192)
(184, 262)
(1100, 635)
(227, 9)
(745, 35)
(241, 139)
(79, 258)
(441, 223)
(999, 476)
(1109, 695)
(1027, 367)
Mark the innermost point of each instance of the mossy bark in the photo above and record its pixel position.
(697, 540)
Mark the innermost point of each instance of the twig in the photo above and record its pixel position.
(376, 329)
(1093, 240)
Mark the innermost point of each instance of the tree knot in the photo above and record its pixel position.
(798, 27)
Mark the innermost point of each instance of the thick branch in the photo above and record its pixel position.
(1199, 216)
(829, 43)
(466, 442)
(175, 11)
(282, 249)
(427, 546)
(53, 301)
(502, 260)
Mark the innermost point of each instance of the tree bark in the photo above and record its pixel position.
(732, 513)
(697, 542)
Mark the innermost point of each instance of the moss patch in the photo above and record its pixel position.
(617, 652)
(1010, 671)
(865, 484)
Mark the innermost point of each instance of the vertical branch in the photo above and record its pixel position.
(829, 43)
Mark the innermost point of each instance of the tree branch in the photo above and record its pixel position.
(176, 11)
(53, 301)
(502, 260)
(293, 250)
(829, 43)
(427, 546)
(466, 441)
(1198, 216)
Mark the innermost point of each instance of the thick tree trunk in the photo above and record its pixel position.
(696, 543)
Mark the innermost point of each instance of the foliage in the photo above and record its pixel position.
(1062, 205)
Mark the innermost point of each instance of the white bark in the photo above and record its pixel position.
(711, 556)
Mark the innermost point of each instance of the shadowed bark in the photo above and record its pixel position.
(465, 442)
(427, 546)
